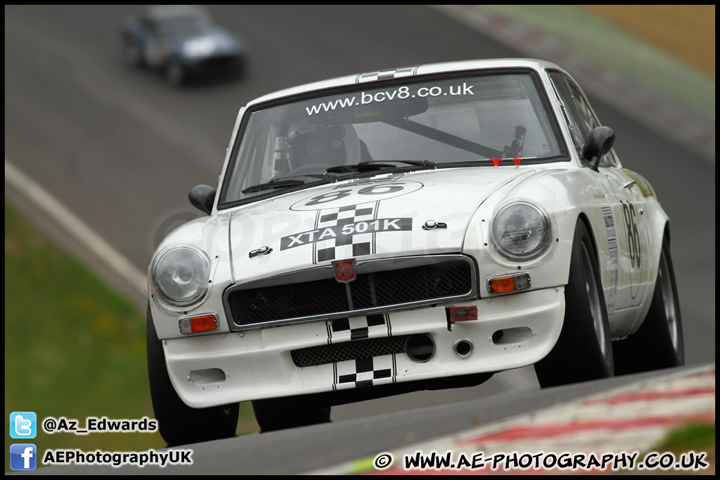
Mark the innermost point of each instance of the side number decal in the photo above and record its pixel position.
(632, 232)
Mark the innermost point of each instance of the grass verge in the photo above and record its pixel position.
(693, 436)
(74, 348)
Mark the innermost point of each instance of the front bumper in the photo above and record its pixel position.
(216, 65)
(510, 332)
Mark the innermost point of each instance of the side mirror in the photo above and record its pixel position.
(598, 143)
(202, 197)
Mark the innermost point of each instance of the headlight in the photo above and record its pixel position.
(199, 47)
(181, 275)
(521, 230)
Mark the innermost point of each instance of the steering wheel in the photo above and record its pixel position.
(318, 168)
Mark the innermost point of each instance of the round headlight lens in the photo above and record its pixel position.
(181, 275)
(199, 47)
(521, 230)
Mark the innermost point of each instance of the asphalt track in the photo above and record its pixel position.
(121, 149)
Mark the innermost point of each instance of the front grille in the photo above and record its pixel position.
(219, 63)
(379, 285)
(340, 352)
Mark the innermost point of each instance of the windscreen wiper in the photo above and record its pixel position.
(379, 165)
(286, 182)
(276, 183)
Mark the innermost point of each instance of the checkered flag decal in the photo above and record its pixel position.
(365, 372)
(362, 372)
(357, 328)
(386, 74)
(349, 241)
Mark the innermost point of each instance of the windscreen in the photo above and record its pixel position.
(184, 24)
(446, 120)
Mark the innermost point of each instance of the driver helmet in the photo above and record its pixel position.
(328, 145)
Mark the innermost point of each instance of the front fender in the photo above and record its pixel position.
(551, 269)
(210, 235)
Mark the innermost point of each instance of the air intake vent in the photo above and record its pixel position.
(340, 352)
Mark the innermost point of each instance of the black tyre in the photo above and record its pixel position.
(658, 343)
(178, 423)
(175, 73)
(132, 54)
(280, 413)
(584, 350)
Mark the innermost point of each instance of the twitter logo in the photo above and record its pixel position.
(23, 425)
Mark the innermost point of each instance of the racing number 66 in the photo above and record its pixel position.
(328, 197)
(633, 234)
(339, 194)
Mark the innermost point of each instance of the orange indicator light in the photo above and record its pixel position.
(509, 283)
(501, 285)
(203, 323)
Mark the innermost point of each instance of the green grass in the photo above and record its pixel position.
(74, 348)
(694, 436)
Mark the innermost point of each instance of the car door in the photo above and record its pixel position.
(152, 46)
(629, 210)
(624, 217)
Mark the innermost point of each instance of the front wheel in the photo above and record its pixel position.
(658, 343)
(175, 73)
(178, 423)
(132, 54)
(584, 350)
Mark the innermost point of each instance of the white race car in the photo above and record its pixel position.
(407, 229)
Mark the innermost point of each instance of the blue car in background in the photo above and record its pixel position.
(183, 42)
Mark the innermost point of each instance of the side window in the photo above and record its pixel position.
(609, 160)
(590, 120)
(572, 117)
(583, 108)
(578, 113)
(149, 25)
